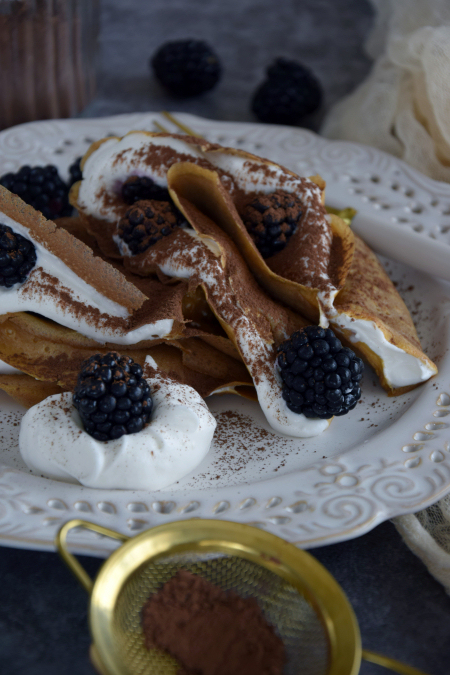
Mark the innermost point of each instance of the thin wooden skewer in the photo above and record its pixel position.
(160, 127)
(187, 130)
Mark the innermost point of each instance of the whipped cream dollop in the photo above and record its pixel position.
(116, 159)
(399, 368)
(53, 442)
(55, 291)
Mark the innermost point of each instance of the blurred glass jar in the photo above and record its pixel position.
(47, 58)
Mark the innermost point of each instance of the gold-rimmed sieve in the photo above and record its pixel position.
(304, 603)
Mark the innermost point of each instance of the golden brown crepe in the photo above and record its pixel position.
(367, 293)
(26, 390)
(54, 354)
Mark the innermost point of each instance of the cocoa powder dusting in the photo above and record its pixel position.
(41, 283)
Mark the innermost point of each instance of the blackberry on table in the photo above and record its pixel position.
(290, 92)
(112, 397)
(186, 67)
(136, 188)
(271, 220)
(320, 376)
(146, 222)
(42, 188)
(17, 257)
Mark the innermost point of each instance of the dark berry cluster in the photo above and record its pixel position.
(17, 257)
(75, 173)
(112, 397)
(42, 188)
(146, 222)
(320, 376)
(271, 220)
(186, 67)
(289, 92)
(136, 188)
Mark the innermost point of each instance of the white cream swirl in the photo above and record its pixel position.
(399, 368)
(115, 160)
(52, 441)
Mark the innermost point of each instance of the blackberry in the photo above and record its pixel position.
(290, 92)
(271, 220)
(17, 257)
(75, 172)
(320, 376)
(136, 188)
(186, 67)
(112, 397)
(42, 188)
(146, 222)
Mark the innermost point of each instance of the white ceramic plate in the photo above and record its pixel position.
(389, 457)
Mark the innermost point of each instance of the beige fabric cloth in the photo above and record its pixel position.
(427, 534)
(403, 107)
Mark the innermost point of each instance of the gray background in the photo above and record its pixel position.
(402, 611)
(326, 35)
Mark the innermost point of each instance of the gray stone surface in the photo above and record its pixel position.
(326, 35)
(402, 611)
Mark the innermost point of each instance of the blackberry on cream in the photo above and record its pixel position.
(271, 220)
(111, 396)
(54, 443)
(136, 188)
(146, 222)
(320, 377)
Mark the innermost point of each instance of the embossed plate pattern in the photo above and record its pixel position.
(389, 457)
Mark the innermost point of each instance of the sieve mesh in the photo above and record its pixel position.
(284, 607)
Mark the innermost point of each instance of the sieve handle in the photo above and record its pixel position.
(72, 563)
(391, 664)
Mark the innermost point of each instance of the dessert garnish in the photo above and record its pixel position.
(320, 377)
(112, 397)
(271, 219)
(210, 631)
(289, 93)
(17, 257)
(186, 67)
(40, 187)
(54, 443)
(146, 222)
(136, 188)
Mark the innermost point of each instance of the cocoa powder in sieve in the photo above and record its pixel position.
(209, 631)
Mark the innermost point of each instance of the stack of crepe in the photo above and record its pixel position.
(203, 347)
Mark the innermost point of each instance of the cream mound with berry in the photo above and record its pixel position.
(60, 279)
(177, 437)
